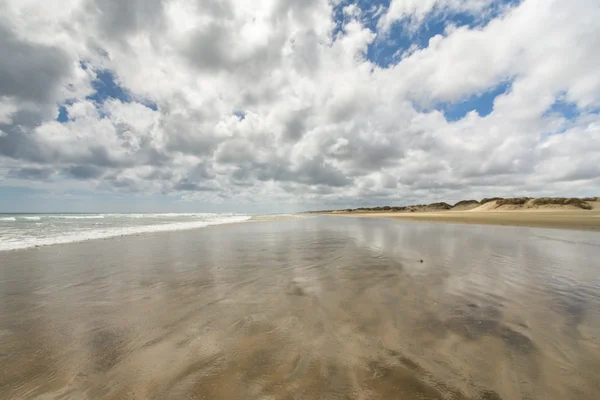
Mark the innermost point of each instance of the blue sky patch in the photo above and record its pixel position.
(483, 103)
(63, 115)
(368, 8)
(150, 104)
(388, 50)
(107, 87)
(564, 108)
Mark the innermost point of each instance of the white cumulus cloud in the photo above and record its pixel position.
(275, 101)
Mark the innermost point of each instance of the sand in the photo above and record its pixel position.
(312, 308)
(551, 217)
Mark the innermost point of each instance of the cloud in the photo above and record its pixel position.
(323, 120)
(83, 171)
(31, 173)
(116, 19)
(415, 11)
(29, 71)
(186, 186)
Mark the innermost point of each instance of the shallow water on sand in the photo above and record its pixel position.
(314, 308)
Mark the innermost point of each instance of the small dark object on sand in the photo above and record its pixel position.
(421, 261)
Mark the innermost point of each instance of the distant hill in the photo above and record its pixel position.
(486, 204)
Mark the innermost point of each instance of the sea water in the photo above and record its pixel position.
(19, 231)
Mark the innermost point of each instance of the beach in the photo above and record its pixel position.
(307, 308)
(558, 217)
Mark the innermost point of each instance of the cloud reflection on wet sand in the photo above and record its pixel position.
(314, 308)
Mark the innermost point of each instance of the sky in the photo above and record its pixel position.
(292, 105)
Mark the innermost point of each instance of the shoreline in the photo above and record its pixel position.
(115, 236)
(553, 219)
(251, 220)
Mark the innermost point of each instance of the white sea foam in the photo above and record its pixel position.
(96, 216)
(8, 219)
(34, 237)
(162, 215)
(278, 217)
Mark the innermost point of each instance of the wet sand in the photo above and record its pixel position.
(562, 219)
(315, 308)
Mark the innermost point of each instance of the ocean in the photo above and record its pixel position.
(20, 231)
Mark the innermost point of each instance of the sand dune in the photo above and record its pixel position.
(524, 203)
(565, 213)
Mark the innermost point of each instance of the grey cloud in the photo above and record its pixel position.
(187, 186)
(306, 52)
(302, 190)
(318, 172)
(300, 9)
(249, 170)
(296, 126)
(242, 177)
(28, 71)
(118, 18)
(155, 156)
(488, 169)
(275, 170)
(435, 184)
(114, 181)
(196, 179)
(254, 96)
(216, 48)
(124, 183)
(389, 182)
(11, 141)
(365, 156)
(209, 48)
(583, 171)
(158, 174)
(314, 171)
(221, 9)
(184, 137)
(212, 50)
(344, 110)
(39, 174)
(494, 180)
(235, 152)
(102, 156)
(31, 73)
(203, 170)
(18, 141)
(83, 171)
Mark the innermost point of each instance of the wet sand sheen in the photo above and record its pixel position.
(321, 307)
(559, 219)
